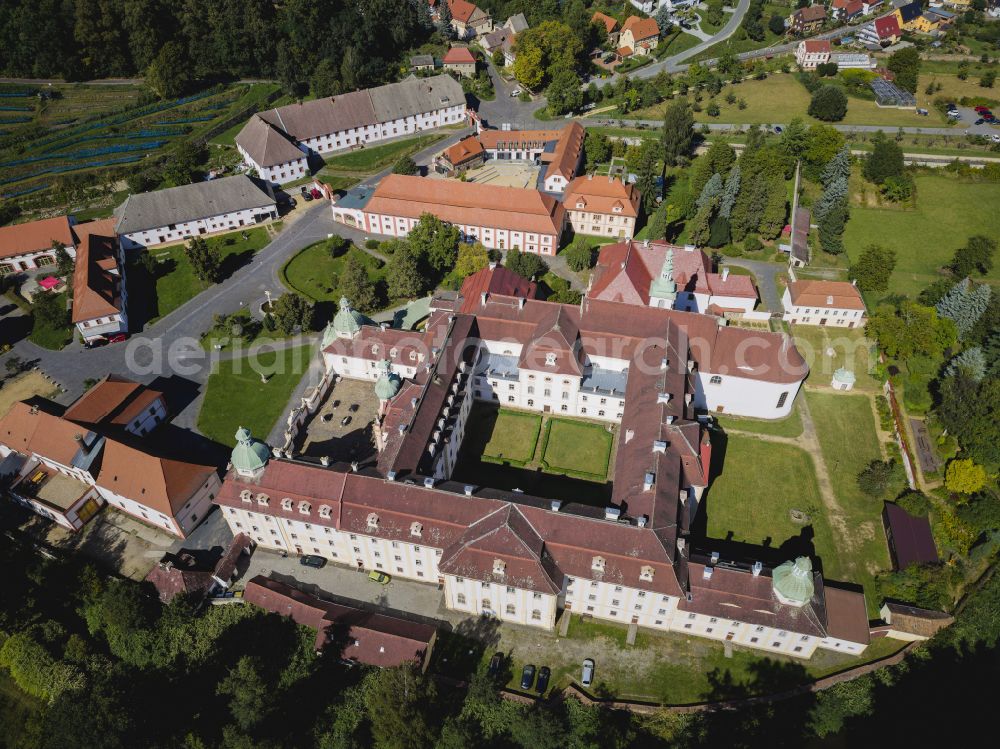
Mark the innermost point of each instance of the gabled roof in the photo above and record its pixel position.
(825, 294)
(816, 46)
(466, 149)
(602, 195)
(517, 23)
(495, 279)
(30, 428)
(555, 333)
(459, 56)
(609, 23)
(96, 289)
(641, 28)
(23, 239)
(266, 145)
(887, 26)
(112, 402)
(914, 620)
(810, 13)
(910, 12)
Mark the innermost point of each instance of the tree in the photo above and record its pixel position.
(64, 263)
(976, 255)
(646, 175)
(528, 68)
(597, 148)
(402, 698)
(775, 209)
(405, 165)
(794, 138)
(905, 65)
(963, 476)
(831, 224)
(964, 305)
(838, 168)
(444, 21)
(971, 362)
(710, 192)
(249, 694)
(822, 144)
(829, 103)
(525, 264)
(700, 227)
(434, 243)
(403, 274)
(910, 329)
(292, 311)
(471, 258)
(205, 259)
(184, 162)
(873, 268)
(564, 93)
(777, 24)
(169, 74)
(886, 160)
(876, 478)
(677, 135)
(730, 192)
(357, 286)
(579, 255)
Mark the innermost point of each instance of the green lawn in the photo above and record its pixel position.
(235, 395)
(315, 274)
(751, 499)
(845, 424)
(49, 337)
(577, 448)
(176, 283)
(374, 158)
(948, 211)
(790, 426)
(850, 349)
(513, 436)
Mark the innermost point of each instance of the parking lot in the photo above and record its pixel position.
(968, 117)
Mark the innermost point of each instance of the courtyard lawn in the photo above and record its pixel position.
(374, 158)
(315, 274)
(790, 426)
(850, 349)
(751, 500)
(513, 436)
(176, 283)
(948, 211)
(577, 448)
(235, 395)
(845, 424)
(780, 97)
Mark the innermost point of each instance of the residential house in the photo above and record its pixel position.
(831, 303)
(355, 119)
(66, 470)
(602, 206)
(186, 573)
(504, 37)
(461, 60)
(357, 635)
(99, 293)
(806, 20)
(882, 32)
(467, 19)
(610, 26)
(29, 245)
(422, 62)
(666, 276)
(812, 52)
(499, 217)
(516, 23)
(271, 153)
(561, 151)
(468, 153)
(847, 10)
(153, 218)
(119, 404)
(870, 6)
(908, 15)
(639, 36)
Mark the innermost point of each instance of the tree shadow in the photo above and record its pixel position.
(459, 653)
(143, 300)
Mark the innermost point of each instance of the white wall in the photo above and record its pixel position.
(212, 225)
(742, 396)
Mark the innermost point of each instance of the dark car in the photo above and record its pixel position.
(353, 408)
(7, 308)
(496, 663)
(345, 421)
(307, 196)
(527, 676)
(543, 679)
(980, 121)
(311, 560)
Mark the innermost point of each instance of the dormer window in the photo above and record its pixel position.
(262, 500)
(286, 504)
(304, 508)
(324, 511)
(581, 204)
(550, 360)
(393, 353)
(372, 520)
(646, 573)
(374, 348)
(246, 495)
(499, 567)
(416, 529)
(597, 564)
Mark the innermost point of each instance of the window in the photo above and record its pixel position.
(510, 589)
(716, 380)
(510, 609)
(460, 598)
(782, 398)
(536, 615)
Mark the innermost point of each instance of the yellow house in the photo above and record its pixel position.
(924, 25)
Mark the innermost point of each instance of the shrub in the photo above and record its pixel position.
(829, 104)
(876, 478)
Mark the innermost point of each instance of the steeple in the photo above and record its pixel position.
(663, 286)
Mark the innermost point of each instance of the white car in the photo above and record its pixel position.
(516, 92)
(587, 677)
(954, 114)
(995, 138)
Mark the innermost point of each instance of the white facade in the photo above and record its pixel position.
(742, 396)
(809, 60)
(107, 325)
(834, 317)
(279, 173)
(31, 260)
(187, 519)
(197, 227)
(510, 604)
(696, 301)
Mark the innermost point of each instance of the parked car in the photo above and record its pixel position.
(587, 678)
(982, 109)
(306, 196)
(316, 193)
(353, 408)
(117, 337)
(543, 679)
(922, 112)
(96, 343)
(345, 421)
(516, 92)
(311, 560)
(989, 118)
(496, 663)
(995, 138)
(528, 676)
(980, 121)
(379, 577)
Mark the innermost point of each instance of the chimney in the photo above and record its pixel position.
(428, 483)
(670, 419)
(659, 446)
(402, 429)
(663, 363)
(482, 298)
(757, 568)
(468, 490)
(663, 397)
(648, 480)
(391, 476)
(325, 460)
(555, 505)
(706, 573)
(354, 466)
(725, 273)
(413, 402)
(629, 434)
(641, 521)
(680, 545)
(690, 365)
(715, 557)
(612, 513)
(520, 303)
(590, 176)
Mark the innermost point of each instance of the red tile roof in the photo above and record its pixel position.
(114, 401)
(459, 56)
(816, 46)
(495, 279)
(887, 27)
(825, 294)
(35, 236)
(600, 195)
(609, 23)
(466, 149)
(641, 28)
(96, 289)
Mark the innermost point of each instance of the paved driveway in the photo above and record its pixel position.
(767, 279)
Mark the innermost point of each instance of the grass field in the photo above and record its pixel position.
(577, 448)
(790, 426)
(751, 500)
(176, 283)
(314, 273)
(953, 87)
(846, 427)
(513, 436)
(780, 97)
(374, 158)
(235, 395)
(851, 350)
(948, 211)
